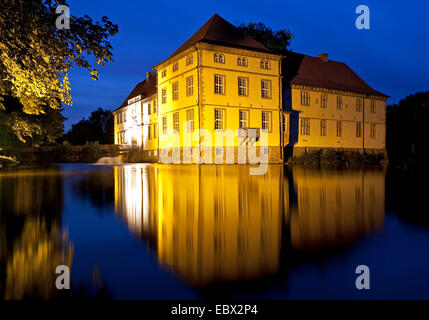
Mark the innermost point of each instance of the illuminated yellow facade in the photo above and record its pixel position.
(221, 85)
(218, 224)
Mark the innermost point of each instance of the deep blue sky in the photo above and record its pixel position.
(392, 56)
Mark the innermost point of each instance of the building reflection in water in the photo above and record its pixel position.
(215, 224)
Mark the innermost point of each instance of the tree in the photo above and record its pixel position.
(18, 128)
(278, 41)
(36, 57)
(407, 133)
(98, 127)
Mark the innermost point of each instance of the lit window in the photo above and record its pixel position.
(164, 125)
(265, 64)
(189, 60)
(175, 66)
(190, 120)
(305, 98)
(358, 129)
(219, 119)
(339, 102)
(372, 103)
(219, 84)
(176, 123)
(339, 129)
(323, 128)
(372, 132)
(244, 119)
(219, 58)
(266, 89)
(305, 126)
(190, 86)
(242, 86)
(149, 132)
(323, 100)
(242, 62)
(358, 104)
(164, 95)
(175, 90)
(266, 121)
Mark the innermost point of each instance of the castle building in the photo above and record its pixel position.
(220, 81)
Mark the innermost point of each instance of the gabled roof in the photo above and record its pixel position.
(219, 31)
(146, 88)
(314, 72)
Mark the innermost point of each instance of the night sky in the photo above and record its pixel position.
(392, 56)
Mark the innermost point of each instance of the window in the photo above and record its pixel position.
(175, 90)
(190, 86)
(189, 60)
(176, 123)
(305, 98)
(323, 128)
(219, 58)
(164, 73)
(372, 104)
(219, 84)
(155, 130)
(244, 119)
(305, 127)
(190, 119)
(266, 120)
(175, 66)
(372, 132)
(242, 62)
(219, 119)
(149, 108)
(265, 88)
(284, 123)
(323, 100)
(339, 129)
(265, 64)
(339, 102)
(242, 86)
(164, 95)
(154, 106)
(358, 104)
(149, 132)
(358, 129)
(164, 125)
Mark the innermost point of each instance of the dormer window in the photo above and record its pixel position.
(241, 61)
(265, 64)
(219, 58)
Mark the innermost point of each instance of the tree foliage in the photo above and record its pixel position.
(407, 133)
(98, 127)
(36, 57)
(278, 41)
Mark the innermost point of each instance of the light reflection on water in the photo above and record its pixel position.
(166, 231)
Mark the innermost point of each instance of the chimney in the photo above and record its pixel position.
(150, 75)
(323, 57)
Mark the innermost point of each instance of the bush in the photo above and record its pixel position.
(92, 152)
(7, 161)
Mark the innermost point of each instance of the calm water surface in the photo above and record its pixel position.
(189, 232)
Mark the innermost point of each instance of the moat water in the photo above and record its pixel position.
(191, 232)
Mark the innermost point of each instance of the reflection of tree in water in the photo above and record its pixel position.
(32, 243)
(406, 193)
(98, 186)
